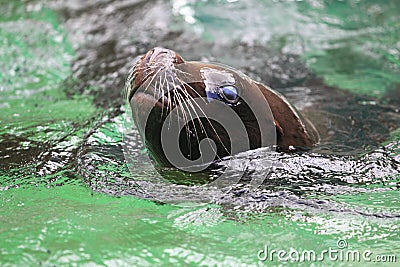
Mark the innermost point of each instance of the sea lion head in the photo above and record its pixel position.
(177, 104)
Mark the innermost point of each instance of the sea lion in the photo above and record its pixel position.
(202, 95)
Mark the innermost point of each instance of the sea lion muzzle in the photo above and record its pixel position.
(191, 113)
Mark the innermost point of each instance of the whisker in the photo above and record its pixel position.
(162, 83)
(151, 81)
(170, 83)
(200, 122)
(183, 105)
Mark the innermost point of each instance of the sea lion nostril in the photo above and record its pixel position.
(159, 50)
(149, 55)
(162, 56)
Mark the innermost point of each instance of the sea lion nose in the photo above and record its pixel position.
(157, 52)
(160, 50)
(162, 55)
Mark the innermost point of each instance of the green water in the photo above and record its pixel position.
(49, 216)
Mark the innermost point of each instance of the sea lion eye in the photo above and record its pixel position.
(229, 93)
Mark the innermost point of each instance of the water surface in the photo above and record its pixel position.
(68, 196)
